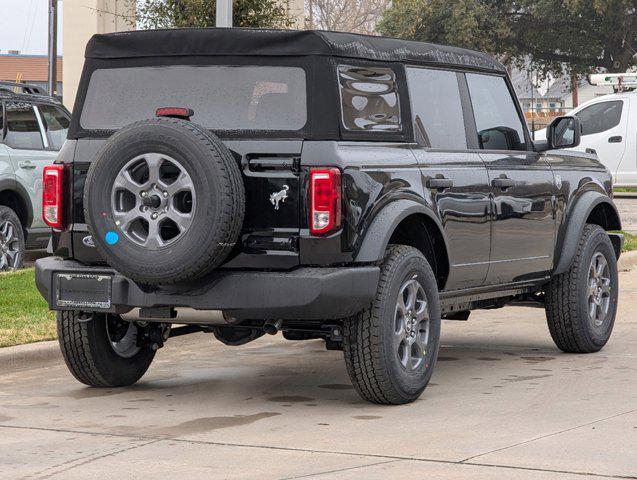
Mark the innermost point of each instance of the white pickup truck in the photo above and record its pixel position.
(609, 126)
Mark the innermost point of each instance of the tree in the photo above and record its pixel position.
(201, 13)
(574, 36)
(359, 16)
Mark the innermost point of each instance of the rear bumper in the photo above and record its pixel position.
(305, 293)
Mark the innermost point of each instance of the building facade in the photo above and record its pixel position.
(29, 69)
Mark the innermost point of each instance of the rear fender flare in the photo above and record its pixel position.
(383, 226)
(11, 185)
(576, 222)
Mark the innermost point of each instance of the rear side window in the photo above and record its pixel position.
(369, 99)
(56, 124)
(223, 97)
(23, 130)
(600, 117)
(436, 108)
(497, 121)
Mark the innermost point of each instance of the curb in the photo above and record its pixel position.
(30, 356)
(625, 194)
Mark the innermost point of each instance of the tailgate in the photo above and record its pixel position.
(269, 238)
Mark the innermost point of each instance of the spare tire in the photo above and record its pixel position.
(164, 201)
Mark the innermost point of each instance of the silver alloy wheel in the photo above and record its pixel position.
(599, 290)
(411, 325)
(153, 200)
(10, 253)
(122, 336)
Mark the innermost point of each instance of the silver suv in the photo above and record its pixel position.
(34, 127)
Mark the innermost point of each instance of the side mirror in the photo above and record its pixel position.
(563, 132)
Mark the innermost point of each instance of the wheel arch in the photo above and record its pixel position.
(12, 195)
(591, 207)
(407, 222)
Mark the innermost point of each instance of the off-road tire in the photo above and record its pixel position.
(566, 297)
(372, 363)
(89, 356)
(8, 215)
(217, 218)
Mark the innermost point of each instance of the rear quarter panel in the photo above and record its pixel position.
(373, 175)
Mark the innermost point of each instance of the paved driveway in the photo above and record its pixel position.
(627, 207)
(503, 403)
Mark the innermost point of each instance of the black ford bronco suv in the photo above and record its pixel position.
(326, 185)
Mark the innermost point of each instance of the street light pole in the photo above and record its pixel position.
(224, 13)
(53, 45)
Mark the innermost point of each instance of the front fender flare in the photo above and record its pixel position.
(576, 222)
(383, 226)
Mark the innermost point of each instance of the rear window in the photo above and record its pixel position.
(222, 97)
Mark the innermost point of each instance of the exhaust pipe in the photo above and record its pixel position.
(272, 327)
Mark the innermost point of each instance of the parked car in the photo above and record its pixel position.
(609, 128)
(33, 129)
(324, 185)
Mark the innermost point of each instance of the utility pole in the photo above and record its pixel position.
(224, 13)
(53, 46)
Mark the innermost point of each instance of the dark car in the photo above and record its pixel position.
(325, 185)
(33, 127)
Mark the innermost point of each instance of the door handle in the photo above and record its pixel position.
(439, 183)
(27, 165)
(615, 139)
(503, 182)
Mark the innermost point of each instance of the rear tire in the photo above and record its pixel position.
(389, 358)
(581, 303)
(92, 357)
(12, 243)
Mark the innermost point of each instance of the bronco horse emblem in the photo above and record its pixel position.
(280, 196)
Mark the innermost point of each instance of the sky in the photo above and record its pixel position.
(24, 26)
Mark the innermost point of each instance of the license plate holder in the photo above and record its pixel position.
(84, 290)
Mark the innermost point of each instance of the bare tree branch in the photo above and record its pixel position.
(359, 16)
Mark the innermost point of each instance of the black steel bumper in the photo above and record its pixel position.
(304, 293)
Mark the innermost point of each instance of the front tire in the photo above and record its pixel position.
(581, 303)
(391, 347)
(102, 351)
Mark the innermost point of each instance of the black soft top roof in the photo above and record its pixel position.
(266, 42)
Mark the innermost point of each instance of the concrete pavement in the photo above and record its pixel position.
(504, 403)
(627, 207)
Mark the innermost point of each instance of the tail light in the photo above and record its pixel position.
(53, 196)
(325, 200)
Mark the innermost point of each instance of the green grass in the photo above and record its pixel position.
(625, 189)
(630, 242)
(24, 315)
